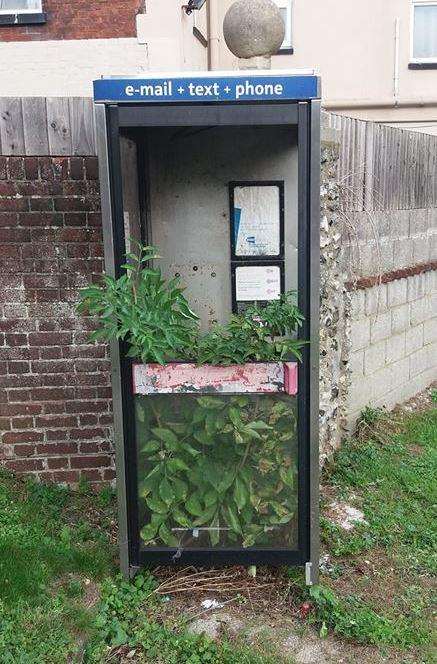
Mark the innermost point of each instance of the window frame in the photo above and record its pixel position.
(289, 6)
(15, 12)
(420, 63)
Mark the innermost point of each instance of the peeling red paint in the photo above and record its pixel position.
(267, 378)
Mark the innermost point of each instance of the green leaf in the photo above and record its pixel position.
(176, 464)
(181, 518)
(151, 446)
(166, 491)
(193, 505)
(259, 425)
(233, 520)
(210, 498)
(168, 437)
(148, 532)
(210, 403)
(226, 481)
(180, 488)
(214, 534)
(167, 536)
(241, 494)
(156, 505)
(287, 476)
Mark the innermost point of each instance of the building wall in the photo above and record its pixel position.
(55, 401)
(81, 19)
(82, 41)
(394, 341)
(352, 44)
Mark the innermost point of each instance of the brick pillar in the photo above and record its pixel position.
(55, 396)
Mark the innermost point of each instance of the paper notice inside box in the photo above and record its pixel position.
(258, 283)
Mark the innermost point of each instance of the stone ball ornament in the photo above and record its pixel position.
(253, 28)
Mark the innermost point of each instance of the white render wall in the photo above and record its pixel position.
(67, 68)
(393, 342)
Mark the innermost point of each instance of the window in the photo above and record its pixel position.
(20, 6)
(424, 31)
(285, 7)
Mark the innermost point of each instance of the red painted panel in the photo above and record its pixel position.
(174, 378)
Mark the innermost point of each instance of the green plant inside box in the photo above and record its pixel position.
(213, 470)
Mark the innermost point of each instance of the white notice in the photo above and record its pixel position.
(258, 283)
(257, 216)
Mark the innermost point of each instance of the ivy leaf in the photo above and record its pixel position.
(206, 515)
(241, 494)
(168, 437)
(193, 505)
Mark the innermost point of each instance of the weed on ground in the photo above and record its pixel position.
(61, 599)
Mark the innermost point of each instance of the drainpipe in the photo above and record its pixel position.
(396, 63)
(213, 18)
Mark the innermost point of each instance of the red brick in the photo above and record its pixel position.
(16, 168)
(7, 188)
(12, 437)
(92, 168)
(3, 168)
(8, 219)
(76, 168)
(31, 168)
(24, 450)
(55, 421)
(57, 448)
(90, 461)
(14, 204)
(24, 465)
(66, 476)
(58, 462)
(51, 393)
(109, 474)
(49, 338)
(22, 422)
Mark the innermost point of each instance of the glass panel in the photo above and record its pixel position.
(217, 471)
(425, 31)
(20, 5)
(257, 220)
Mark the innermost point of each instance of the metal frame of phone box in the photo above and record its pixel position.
(111, 118)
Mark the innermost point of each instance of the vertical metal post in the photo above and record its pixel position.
(309, 294)
(111, 269)
(314, 251)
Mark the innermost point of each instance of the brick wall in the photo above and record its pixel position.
(81, 19)
(55, 397)
(394, 341)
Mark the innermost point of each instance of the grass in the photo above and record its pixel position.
(62, 600)
(389, 472)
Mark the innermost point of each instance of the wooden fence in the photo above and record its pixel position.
(380, 167)
(47, 126)
(385, 168)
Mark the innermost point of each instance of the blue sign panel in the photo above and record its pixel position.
(203, 89)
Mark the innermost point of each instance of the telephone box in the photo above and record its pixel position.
(221, 172)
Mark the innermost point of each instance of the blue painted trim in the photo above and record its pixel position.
(207, 89)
